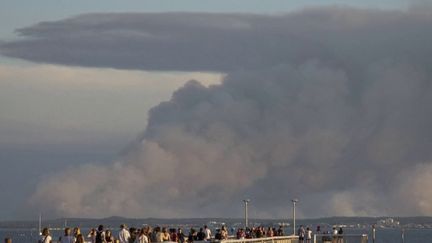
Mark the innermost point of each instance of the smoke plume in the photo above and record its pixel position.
(330, 105)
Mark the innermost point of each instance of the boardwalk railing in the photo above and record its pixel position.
(276, 239)
(345, 238)
(319, 238)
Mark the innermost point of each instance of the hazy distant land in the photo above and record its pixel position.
(114, 222)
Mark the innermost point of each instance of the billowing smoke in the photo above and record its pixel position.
(328, 105)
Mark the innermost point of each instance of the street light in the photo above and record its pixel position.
(246, 201)
(294, 201)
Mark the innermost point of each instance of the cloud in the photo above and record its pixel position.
(330, 105)
(225, 42)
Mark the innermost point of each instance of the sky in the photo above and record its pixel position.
(184, 108)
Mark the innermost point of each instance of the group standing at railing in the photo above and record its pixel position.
(147, 234)
(157, 234)
(259, 232)
(305, 235)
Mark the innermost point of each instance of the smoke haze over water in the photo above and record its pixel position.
(330, 105)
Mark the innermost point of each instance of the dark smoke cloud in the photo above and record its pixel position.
(329, 105)
(226, 42)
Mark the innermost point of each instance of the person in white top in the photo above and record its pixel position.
(308, 235)
(67, 237)
(124, 234)
(92, 235)
(142, 237)
(335, 235)
(45, 237)
(207, 233)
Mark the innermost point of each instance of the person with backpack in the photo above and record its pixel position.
(100, 235)
(301, 234)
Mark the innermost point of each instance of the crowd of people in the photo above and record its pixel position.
(148, 234)
(259, 232)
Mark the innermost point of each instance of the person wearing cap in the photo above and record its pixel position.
(124, 234)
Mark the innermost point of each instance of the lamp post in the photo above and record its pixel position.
(294, 201)
(246, 201)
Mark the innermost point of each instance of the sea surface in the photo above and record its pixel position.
(395, 235)
(382, 235)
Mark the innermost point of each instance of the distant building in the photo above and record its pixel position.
(388, 223)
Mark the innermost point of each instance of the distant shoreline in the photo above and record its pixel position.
(358, 222)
